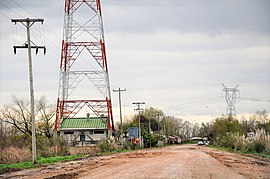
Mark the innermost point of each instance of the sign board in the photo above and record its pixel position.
(133, 132)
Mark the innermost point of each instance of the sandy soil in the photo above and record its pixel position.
(182, 161)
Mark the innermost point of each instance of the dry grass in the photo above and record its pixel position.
(264, 138)
(260, 142)
(14, 155)
(86, 150)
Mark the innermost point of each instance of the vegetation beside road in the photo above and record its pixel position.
(40, 160)
(156, 129)
(263, 155)
(245, 136)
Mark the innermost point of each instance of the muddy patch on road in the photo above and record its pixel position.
(63, 176)
(247, 166)
(144, 154)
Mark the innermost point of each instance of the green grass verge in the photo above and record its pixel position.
(40, 160)
(190, 142)
(263, 155)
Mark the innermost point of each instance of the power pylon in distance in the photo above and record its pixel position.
(84, 85)
(230, 97)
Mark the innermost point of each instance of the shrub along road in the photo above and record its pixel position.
(181, 161)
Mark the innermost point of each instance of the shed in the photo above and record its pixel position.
(83, 131)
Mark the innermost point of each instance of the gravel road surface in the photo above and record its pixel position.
(181, 161)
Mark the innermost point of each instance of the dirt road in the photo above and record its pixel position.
(183, 161)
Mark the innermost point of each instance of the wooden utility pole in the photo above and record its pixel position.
(139, 109)
(119, 90)
(28, 23)
(158, 124)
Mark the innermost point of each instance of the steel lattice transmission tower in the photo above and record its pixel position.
(230, 97)
(83, 58)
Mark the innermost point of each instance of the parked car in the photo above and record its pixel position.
(200, 142)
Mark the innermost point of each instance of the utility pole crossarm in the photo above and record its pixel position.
(27, 20)
(32, 47)
(28, 23)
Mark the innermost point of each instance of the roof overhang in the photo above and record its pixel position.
(80, 129)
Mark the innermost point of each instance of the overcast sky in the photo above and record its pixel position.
(171, 54)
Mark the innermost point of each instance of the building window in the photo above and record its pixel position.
(98, 132)
(68, 132)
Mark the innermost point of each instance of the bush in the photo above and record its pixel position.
(224, 140)
(258, 146)
(108, 145)
(127, 145)
(47, 148)
(16, 140)
(260, 143)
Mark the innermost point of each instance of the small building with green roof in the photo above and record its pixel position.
(83, 131)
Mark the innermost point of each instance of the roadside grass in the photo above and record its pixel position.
(190, 142)
(263, 155)
(40, 160)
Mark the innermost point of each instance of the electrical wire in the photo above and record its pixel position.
(187, 105)
(52, 43)
(254, 99)
(35, 16)
(199, 104)
(10, 9)
(4, 14)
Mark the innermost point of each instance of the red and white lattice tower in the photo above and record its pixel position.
(83, 64)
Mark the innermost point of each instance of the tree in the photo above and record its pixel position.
(223, 125)
(45, 114)
(263, 120)
(18, 115)
(153, 116)
(206, 129)
(195, 129)
(171, 125)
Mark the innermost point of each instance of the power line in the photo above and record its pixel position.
(5, 15)
(52, 43)
(50, 29)
(254, 99)
(199, 101)
(10, 9)
(35, 16)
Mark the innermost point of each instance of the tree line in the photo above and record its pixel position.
(225, 131)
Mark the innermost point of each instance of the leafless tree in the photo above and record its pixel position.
(18, 115)
(46, 112)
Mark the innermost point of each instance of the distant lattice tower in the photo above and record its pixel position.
(84, 85)
(230, 97)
